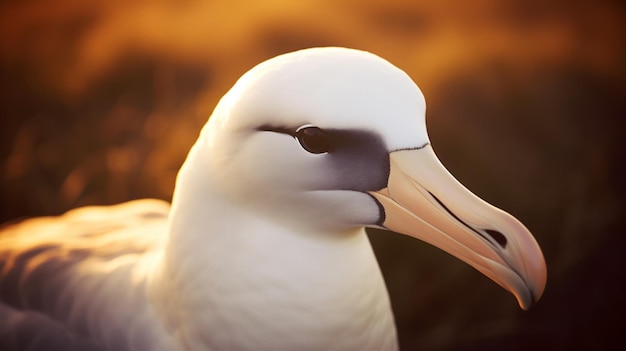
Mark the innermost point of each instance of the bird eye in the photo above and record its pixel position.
(314, 139)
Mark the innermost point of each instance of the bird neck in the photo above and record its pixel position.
(232, 280)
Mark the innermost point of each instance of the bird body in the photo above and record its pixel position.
(264, 246)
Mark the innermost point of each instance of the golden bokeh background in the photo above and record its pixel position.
(100, 101)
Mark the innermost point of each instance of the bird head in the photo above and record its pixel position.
(331, 140)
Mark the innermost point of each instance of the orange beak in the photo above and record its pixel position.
(425, 201)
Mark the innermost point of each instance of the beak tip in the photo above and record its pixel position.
(525, 302)
(530, 297)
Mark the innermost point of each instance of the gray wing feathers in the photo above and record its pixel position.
(32, 331)
(78, 274)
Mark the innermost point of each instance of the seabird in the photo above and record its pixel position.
(264, 245)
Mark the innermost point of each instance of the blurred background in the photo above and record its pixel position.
(101, 100)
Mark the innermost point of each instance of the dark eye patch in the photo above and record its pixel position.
(357, 159)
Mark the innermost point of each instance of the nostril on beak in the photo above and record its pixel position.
(497, 236)
(493, 234)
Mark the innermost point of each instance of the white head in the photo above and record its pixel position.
(329, 140)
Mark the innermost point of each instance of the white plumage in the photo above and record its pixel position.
(264, 246)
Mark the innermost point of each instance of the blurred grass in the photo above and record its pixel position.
(100, 101)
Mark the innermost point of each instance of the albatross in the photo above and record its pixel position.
(264, 244)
